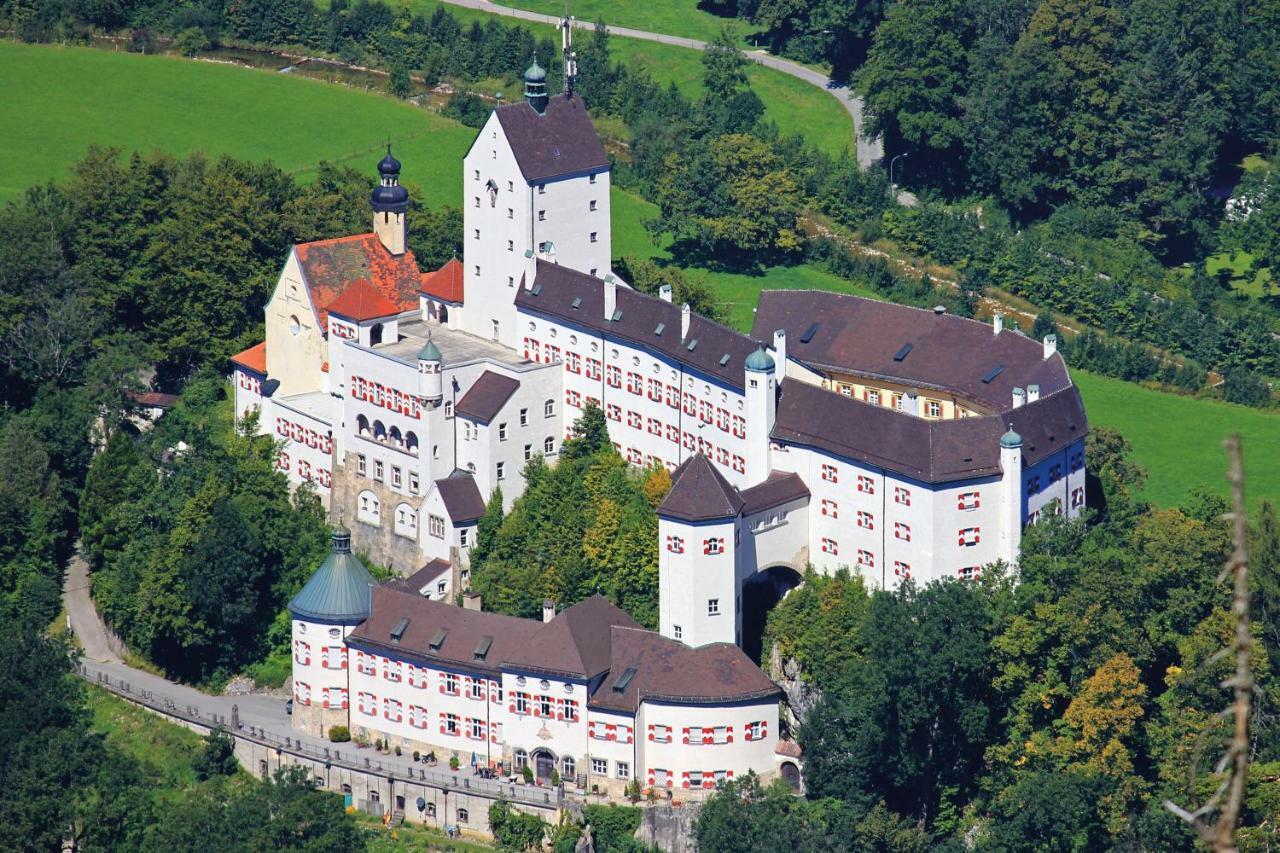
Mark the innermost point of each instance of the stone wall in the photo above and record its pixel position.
(379, 542)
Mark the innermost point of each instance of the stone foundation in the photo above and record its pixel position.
(379, 542)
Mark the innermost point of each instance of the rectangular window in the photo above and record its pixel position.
(542, 217)
(524, 417)
(511, 214)
(511, 246)
(414, 482)
(901, 496)
(1077, 497)
(1033, 484)
(528, 452)
(594, 238)
(361, 465)
(521, 702)
(866, 520)
(591, 179)
(613, 376)
(969, 536)
(902, 570)
(449, 684)
(829, 546)
(713, 607)
(713, 546)
(872, 396)
(593, 368)
(435, 526)
(969, 573)
(866, 559)
(934, 409)
(902, 531)
(659, 734)
(829, 473)
(449, 724)
(502, 432)
(830, 508)
(377, 469)
(571, 710)
(866, 485)
(675, 544)
(502, 470)
(624, 770)
(542, 189)
(600, 766)
(1055, 473)
(678, 632)
(591, 205)
(613, 411)
(395, 476)
(968, 500)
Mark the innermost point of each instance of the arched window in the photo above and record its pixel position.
(549, 408)
(362, 425)
(549, 446)
(369, 509)
(411, 442)
(431, 809)
(471, 467)
(375, 334)
(379, 431)
(406, 521)
(395, 436)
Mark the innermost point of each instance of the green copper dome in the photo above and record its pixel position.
(429, 351)
(341, 589)
(760, 361)
(535, 73)
(1011, 439)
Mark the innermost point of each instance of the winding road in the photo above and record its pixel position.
(870, 151)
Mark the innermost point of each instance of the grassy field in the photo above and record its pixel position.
(1179, 439)
(795, 106)
(670, 17)
(1242, 277)
(165, 750)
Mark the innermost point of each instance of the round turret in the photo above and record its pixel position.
(760, 361)
(535, 87)
(430, 371)
(1011, 439)
(341, 590)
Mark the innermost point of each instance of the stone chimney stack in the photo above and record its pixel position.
(685, 311)
(1050, 345)
(1019, 397)
(471, 601)
(548, 610)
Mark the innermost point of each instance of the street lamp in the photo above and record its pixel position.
(891, 162)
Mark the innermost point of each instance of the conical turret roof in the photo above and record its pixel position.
(340, 590)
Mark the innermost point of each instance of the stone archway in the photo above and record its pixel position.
(761, 593)
(790, 774)
(544, 764)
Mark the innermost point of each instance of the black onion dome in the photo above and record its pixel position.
(390, 199)
(389, 165)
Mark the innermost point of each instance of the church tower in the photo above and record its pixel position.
(390, 204)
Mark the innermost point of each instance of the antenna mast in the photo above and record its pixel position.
(570, 58)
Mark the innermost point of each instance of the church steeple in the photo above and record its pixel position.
(390, 203)
(535, 87)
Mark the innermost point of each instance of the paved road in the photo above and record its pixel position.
(82, 616)
(869, 150)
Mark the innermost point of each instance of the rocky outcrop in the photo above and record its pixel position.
(800, 695)
(669, 828)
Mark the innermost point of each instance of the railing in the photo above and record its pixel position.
(329, 756)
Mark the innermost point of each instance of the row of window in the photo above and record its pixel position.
(711, 546)
(448, 683)
(304, 435)
(662, 778)
(384, 396)
(614, 732)
(397, 474)
(544, 707)
(249, 383)
(320, 476)
(452, 725)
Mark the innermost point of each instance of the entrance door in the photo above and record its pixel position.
(543, 765)
(399, 803)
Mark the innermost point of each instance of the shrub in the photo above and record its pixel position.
(555, 777)
(397, 750)
(453, 762)
(416, 755)
(339, 734)
(527, 773)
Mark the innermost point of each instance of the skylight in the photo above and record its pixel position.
(993, 373)
(482, 648)
(660, 328)
(693, 343)
(620, 686)
(398, 631)
(438, 640)
(577, 303)
(809, 333)
(724, 359)
(902, 353)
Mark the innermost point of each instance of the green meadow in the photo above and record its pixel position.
(670, 17)
(1179, 439)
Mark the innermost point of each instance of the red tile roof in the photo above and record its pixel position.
(362, 301)
(154, 399)
(445, 283)
(254, 358)
(329, 267)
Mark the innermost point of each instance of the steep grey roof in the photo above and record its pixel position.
(777, 489)
(718, 352)
(461, 497)
(668, 670)
(575, 642)
(560, 141)
(866, 337)
(423, 578)
(930, 451)
(339, 591)
(486, 396)
(699, 492)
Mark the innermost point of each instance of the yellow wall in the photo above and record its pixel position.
(294, 359)
(949, 405)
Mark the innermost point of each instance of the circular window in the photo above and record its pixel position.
(520, 680)
(552, 331)
(544, 684)
(294, 325)
(656, 368)
(568, 688)
(594, 346)
(724, 398)
(302, 627)
(635, 361)
(533, 327)
(335, 633)
(573, 339)
(613, 355)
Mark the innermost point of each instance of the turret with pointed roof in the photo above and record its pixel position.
(341, 589)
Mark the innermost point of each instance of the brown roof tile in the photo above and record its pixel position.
(486, 396)
(445, 283)
(699, 492)
(561, 141)
(929, 451)
(862, 337)
(576, 642)
(463, 630)
(718, 352)
(668, 670)
(329, 267)
(461, 497)
(777, 489)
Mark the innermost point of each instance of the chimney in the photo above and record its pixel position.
(664, 293)
(471, 601)
(1033, 393)
(1019, 397)
(684, 321)
(780, 352)
(548, 610)
(1050, 345)
(939, 310)
(911, 402)
(610, 297)
(997, 323)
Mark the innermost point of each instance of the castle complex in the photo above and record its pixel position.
(841, 432)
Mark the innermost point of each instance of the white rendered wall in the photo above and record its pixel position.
(533, 730)
(307, 451)
(680, 758)
(315, 643)
(688, 581)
